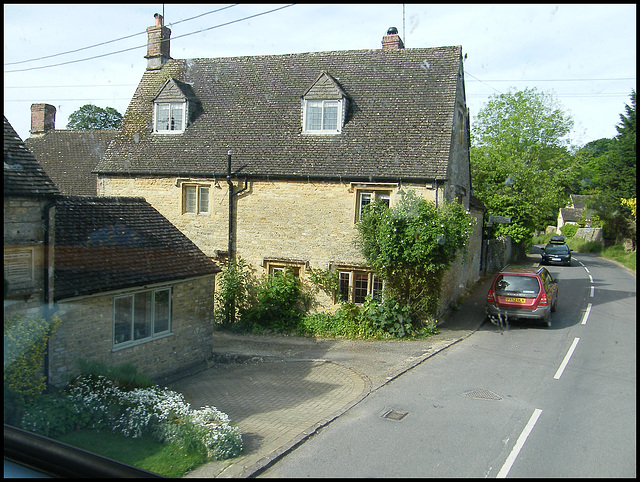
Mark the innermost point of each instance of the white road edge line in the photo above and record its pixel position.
(586, 315)
(564, 363)
(519, 444)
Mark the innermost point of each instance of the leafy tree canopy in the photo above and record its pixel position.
(93, 117)
(520, 160)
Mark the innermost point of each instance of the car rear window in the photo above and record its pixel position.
(557, 249)
(526, 285)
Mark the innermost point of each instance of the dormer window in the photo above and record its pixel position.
(170, 117)
(324, 107)
(174, 108)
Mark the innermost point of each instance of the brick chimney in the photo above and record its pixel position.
(157, 44)
(43, 118)
(392, 40)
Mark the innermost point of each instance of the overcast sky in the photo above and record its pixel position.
(584, 55)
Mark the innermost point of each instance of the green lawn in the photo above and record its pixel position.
(167, 460)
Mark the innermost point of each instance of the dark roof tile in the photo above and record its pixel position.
(399, 124)
(106, 243)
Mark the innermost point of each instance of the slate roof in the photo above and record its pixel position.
(109, 243)
(23, 175)
(399, 125)
(69, 156)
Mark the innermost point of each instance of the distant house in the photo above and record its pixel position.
(575, 211)
(128, 286)
(273, 158)
(67, 156)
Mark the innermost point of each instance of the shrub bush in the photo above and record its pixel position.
(25, 342)
(569, 230)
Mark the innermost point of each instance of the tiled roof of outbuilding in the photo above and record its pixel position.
(108, 243)
(399, 124)
(69, 156)
(23, 175)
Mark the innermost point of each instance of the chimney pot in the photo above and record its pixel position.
(43, 118)
(392, 40)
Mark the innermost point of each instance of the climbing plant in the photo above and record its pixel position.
(411, 245)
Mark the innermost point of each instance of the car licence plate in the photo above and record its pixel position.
(510, 299)
(556, 259)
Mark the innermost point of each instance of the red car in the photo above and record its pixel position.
(522, 293)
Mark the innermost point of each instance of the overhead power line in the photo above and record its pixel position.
(114, 40)
(145, 45)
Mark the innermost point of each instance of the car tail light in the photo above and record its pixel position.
(490, 297)
(543, 300)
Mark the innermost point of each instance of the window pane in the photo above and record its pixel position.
(122, 319)
(189, 199)
(314, 116)
(383, 198)
(162, 311)
(203, 203)
(360, 287)
(376, 289)
(344, 286)
(176, 116)
(142, 315)
(330, 119)
(277, 271)
(366, 198)
(162, 117)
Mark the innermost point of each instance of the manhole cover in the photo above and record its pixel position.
(394, 414)
(483, 394)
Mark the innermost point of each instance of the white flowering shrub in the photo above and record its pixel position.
(154, 412)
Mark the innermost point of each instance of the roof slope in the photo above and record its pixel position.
(69, 156)
(105, 243)
(399, 124)
(23, 175)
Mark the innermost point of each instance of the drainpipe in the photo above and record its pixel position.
(231, 252)
(47, 298)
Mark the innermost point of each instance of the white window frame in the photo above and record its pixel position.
(279, 269)
(134, 339)
(200, 206)
(370, 195)
(172, 105)
(324, 103)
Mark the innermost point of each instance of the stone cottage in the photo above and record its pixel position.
(129, 288)
(273, 158)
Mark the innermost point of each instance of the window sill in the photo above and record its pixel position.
(129, 344)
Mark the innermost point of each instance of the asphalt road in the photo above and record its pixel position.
(520, 401)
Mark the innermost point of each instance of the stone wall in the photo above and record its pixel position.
(499, 253)
(590, 234)
(87, 327)
(309, 223)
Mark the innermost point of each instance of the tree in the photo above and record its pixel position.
(93, 117)
(606, 169)
(520, 160)
(411, 245)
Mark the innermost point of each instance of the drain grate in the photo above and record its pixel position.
(483, 393)
(394, 414)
